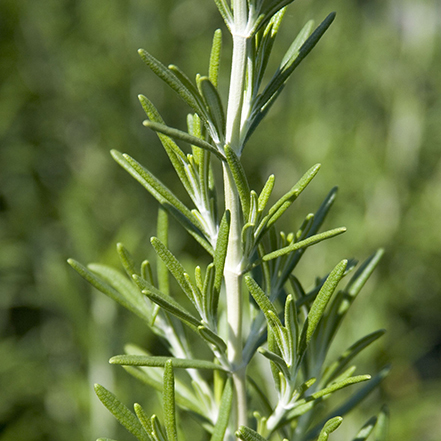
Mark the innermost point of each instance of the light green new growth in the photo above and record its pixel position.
(252, 268)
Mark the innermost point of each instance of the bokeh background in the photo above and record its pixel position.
(366, 104)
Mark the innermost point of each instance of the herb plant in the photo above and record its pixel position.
(247, 304)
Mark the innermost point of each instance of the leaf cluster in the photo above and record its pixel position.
(292, 328)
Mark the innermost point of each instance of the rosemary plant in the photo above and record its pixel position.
(289, 329)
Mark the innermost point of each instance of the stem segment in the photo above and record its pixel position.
(233, 281)
(233, 261)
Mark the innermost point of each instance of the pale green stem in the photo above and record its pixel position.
(237, 79)
(233, 281)
(233, 262)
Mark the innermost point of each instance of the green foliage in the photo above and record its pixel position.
(244, 241)
(364, 104)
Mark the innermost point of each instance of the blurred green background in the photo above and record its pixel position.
(366, 104)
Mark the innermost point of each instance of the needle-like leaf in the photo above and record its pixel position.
(304, 243)
(127, 297)
(175, 268)
(381, 430)
(164, 196)
(183, 136)
(285, 201)
(215, 55)
(168, 303)
(144, 419)
(214, 104)
(329, 427)
(247, 434)
(266, 193)
(335, 368)
(126, 259)
(225, 12)
(240, 179)
(352, 402)
(167, 76)
(224, 413)
(366, 430)
(319, 305)
(281, 76)
(221, 251)
(160, 361)
(121, 413)
(169, 402)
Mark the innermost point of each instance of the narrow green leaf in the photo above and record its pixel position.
(225, 12)
(221, 252)
(164, 196)
(161, 267)
(186, 402)
(121, 413)
(344, 299)
(263, 396)
(273, 347)
(223, 417)
(319, 218)
(381, 431)
(361, 276)
(175, 154)
(198, 278)
(254, 203)
(285, 201)
(329, 427)
(366, 430)
(281, 335)
(126, 259)
(168, 303)
(183, 78)
(259, 296)
(144, 420)
(340, 385)
(210, 337)
(304, 229)
(247, 434)
(159, 433)
(247, 236)
(295, 191)
(277, 360)
(215, 54)
(175, 268)
(169, 402)
(168, 77)
(214, 104)
(264, 49)
(281, 76)
(126, 298)
(352, 402)
(209, 293)
(319, 305)
(160, 361)
(335, 368)
(269, 11)
(240, 179)
(266, 193)
(293, 50)
(312, 240)
(291, 324)
(183, 136)
(146, 271)
(169, 145)
(345, 374)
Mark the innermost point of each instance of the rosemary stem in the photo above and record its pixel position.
(233, 281)
(233, 261)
